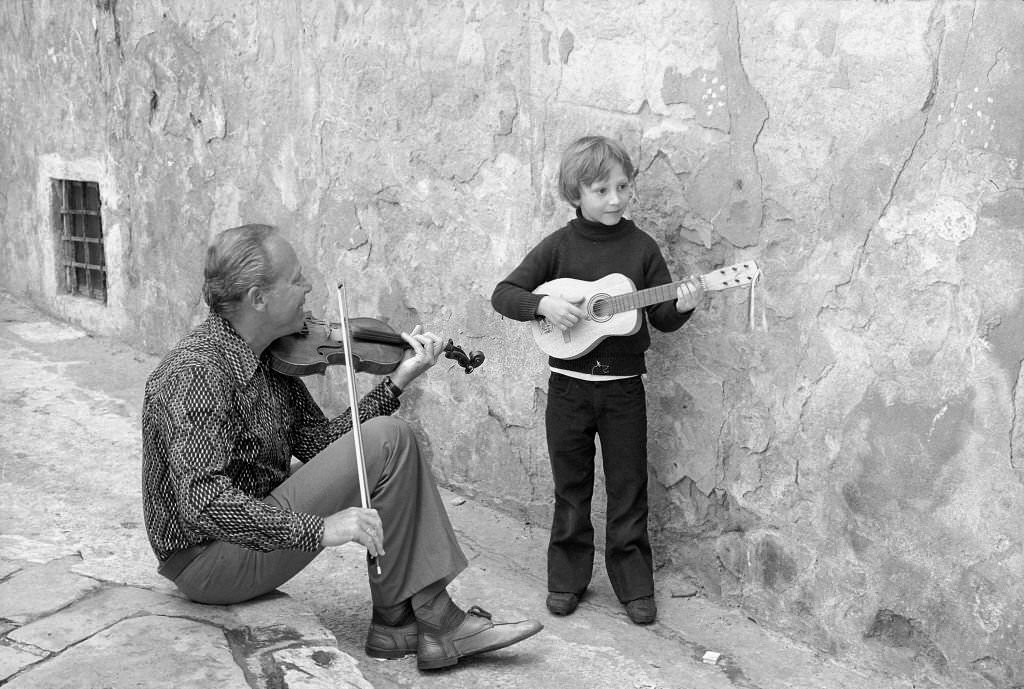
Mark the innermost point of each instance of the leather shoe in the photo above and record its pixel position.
(476, 634)
(383, 641)
(642, 610)
(562, 603)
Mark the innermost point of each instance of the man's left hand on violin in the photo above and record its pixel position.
(425, 348)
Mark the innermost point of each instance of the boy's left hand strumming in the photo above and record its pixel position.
(689, 296)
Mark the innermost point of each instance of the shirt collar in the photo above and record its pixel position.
(237, 352)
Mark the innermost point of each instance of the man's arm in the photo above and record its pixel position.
(313, 431)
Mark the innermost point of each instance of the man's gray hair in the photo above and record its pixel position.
(236, 260)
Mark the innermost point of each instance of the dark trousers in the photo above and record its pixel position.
(615, 411)
(420, 544)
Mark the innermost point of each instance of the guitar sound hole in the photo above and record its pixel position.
(600, 309)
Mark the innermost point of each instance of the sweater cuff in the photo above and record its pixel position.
(528, 307)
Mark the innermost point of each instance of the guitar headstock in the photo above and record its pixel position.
(736, 275)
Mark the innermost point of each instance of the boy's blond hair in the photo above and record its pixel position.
(590, 159)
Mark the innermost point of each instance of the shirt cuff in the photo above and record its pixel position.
(312, 533)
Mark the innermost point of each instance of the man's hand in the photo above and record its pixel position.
(689, 296)
(355, 525)
(426, 347)
(559, 312)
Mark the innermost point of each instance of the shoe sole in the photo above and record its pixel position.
(643, 622)
(452, 660)
(388, 654)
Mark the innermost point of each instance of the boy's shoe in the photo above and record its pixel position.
(562, 603)
(642, 610)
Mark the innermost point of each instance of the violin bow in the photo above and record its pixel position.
(346, 340)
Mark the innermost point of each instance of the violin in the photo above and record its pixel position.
(376, 348)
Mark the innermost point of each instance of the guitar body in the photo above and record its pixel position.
(590, 331)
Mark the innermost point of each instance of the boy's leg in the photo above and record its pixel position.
(622, 426)
(570, 435)
(420, 544)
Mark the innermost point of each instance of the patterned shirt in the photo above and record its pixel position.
(219, 429)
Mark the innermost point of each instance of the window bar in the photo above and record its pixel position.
(69, 271)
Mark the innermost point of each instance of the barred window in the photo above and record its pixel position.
(79, 226)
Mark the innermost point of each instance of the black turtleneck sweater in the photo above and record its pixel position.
(586, 250)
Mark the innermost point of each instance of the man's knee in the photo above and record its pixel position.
(387, 430)
(392, 439)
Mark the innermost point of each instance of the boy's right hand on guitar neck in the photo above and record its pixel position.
(560, 312)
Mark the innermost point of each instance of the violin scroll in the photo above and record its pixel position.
(467, 361)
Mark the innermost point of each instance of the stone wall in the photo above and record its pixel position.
(850, 467)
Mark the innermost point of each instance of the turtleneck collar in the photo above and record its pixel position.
(600, 232)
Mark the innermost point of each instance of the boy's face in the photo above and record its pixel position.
(607, 199)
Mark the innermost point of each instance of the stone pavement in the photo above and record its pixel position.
(81, 605)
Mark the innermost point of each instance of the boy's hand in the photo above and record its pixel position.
(689, 296)
(559, 312)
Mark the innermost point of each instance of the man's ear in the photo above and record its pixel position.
(255, 298)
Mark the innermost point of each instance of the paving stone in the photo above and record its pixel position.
(264, 620)
(274, 612)
(25, 600)
(14, 659)
(323, 667)
(30, 550)
(86, 617)
(142, 652)
(8, 567)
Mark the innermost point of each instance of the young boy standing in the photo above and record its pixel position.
(600, 392)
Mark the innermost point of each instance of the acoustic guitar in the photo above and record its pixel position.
(612, 306)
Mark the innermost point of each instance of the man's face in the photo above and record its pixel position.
(285, 299)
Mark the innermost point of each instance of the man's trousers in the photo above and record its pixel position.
(419, 543)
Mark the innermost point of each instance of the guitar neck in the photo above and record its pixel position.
(745, 273)
(643, 298)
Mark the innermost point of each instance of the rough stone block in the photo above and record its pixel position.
(99, 661)
(25, 600)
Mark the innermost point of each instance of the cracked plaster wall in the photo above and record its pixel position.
(848, 468)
